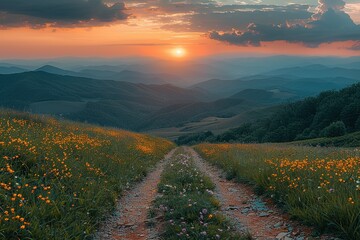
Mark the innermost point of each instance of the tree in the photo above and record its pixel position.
(335, 129)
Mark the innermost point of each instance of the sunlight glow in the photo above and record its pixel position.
(178, 52)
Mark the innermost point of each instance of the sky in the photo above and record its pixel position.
(178, 29)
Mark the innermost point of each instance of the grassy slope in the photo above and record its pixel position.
(57, 179)
(320, 186)
(348, 140)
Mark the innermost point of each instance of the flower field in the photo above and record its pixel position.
(320, 186)
(59, 179)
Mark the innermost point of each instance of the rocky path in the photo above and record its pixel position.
(128, 222)
(249, 212)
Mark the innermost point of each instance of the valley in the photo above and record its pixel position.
(123, 97)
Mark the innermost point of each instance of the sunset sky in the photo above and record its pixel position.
(163, 28)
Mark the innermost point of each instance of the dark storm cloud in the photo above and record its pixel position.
(328, 24)
(38, 13)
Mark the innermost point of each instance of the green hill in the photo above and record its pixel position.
(330, 114)
(111, 103)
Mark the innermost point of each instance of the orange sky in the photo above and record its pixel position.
(138, 37)
(123, 40)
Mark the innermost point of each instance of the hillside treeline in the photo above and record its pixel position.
(330, 114)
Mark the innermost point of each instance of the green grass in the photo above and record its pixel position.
(320, 186)
(348, 140)
(188, 205)
(59, 179)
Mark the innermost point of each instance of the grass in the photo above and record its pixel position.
(320, 186)
(187, 204)
(348, 140)
(59, 179)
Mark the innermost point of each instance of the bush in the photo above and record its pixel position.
(335, 129)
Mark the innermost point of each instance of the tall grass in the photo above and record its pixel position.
(57, 179)
(320, 186)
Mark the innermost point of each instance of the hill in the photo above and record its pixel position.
(55, 70)
(11, 70)
(111, 103)
(98, 73)
(195, 111)
(300, 87)
(330, 114)
(59, 179)
(317, 71)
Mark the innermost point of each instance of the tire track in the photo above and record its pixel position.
(249, 212)
(128, 222)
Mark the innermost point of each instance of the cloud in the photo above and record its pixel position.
(59, 13)
(208, 15)
(356, 46)
(226, 18)
(328, 24)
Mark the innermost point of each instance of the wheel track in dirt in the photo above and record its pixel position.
(129, 221)
(249, 212)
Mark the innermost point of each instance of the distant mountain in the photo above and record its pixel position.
(354, 65)
(317, 71)
(298, 86)
(55, 70)
(124, 75)
(111, 103)
(266, 97)
(11, 70)
(180, 114)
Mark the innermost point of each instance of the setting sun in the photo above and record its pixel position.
(178, 52)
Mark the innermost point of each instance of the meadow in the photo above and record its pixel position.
(188, 205)
(58, 179)
(319, 186)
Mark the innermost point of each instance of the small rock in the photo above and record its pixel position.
(288, 238)
(232, 190)
(296, 232)
(245, 210)
(278, 225)
(264, 214)
(232, 208)
(281, 236)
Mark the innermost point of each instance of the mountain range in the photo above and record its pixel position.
(146, 102)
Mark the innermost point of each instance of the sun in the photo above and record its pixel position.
(178, 52)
